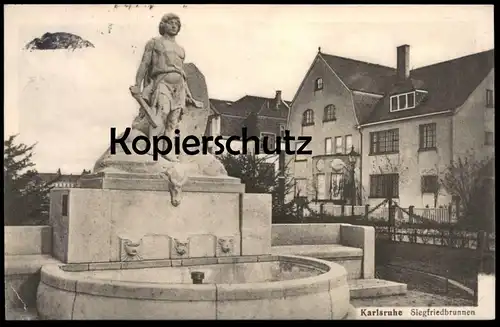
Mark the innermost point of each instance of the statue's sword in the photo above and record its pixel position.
(144, 106)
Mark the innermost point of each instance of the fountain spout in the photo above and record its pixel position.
(197, 277)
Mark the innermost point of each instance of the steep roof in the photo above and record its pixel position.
(363, 105)
(222, 106)
(234, 113)
(449, 84)
(251, 103)
(260, 105)
(359, 75)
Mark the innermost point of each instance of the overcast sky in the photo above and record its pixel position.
(68, 100)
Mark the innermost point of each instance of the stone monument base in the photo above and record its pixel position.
(117, 217)
(154, 182)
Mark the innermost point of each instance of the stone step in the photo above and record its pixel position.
(364, 288)
(26, 264)
(354, 266)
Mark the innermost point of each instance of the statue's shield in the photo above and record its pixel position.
(194, 120)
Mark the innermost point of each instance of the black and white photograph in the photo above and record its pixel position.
(249, 162)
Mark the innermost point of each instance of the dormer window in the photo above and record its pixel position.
(403, 101)
(318, 84)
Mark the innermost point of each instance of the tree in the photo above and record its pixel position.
(26, 195)
(259, 176)
(471, 181)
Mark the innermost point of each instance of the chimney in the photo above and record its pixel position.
(403, 67)
(277, 99)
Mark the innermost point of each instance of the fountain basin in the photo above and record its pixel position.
(249, 287)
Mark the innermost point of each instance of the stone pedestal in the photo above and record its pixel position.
(116, 217)
(153, 182)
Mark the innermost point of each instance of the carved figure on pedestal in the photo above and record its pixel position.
(165, 92)
(162, 89)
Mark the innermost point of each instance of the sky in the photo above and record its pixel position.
(67, 101)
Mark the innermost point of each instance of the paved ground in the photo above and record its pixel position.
(468, 278)
(457, 264)
(20, 314)
(411, 299)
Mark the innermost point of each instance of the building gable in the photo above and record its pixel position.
(320, 88)
(365, 80)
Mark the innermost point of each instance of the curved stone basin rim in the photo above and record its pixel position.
(334, 276)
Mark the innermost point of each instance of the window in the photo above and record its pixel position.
(429, 184)
(336, 186)
(489, 138)
(410, 97)
(394, 103)
(320, 187)
(308, 117)
(384, 186)
(301, 188)
(338, 145)
(489, 99)
(348, 143)
(427, 136)
(328, 145)
(270, 141)
(384, 142)
(329, 113)
(318, 84)
(64, 210)
(282, 130)
(402, 101)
